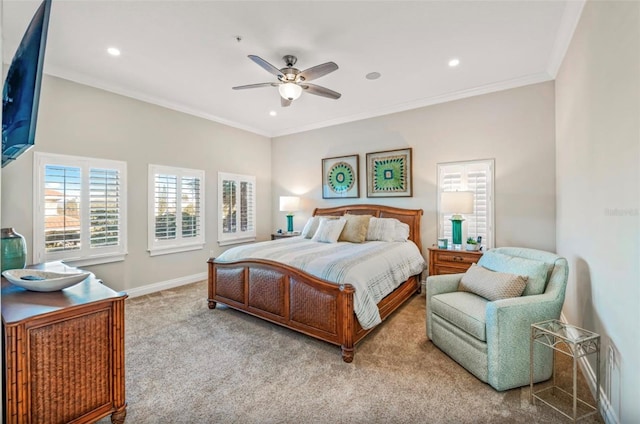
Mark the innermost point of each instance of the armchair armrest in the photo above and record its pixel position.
(508, 324)
(438, 284)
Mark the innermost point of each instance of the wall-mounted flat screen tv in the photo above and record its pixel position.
(21, 91)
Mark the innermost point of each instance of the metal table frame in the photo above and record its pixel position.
(574, 342)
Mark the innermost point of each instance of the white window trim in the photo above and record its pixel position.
(106, 254)
(489, 243)
(165, 247)
(225, 239)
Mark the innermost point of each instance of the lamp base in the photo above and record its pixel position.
(289, 223)
(456, 230)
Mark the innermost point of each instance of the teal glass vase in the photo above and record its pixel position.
(14, 250)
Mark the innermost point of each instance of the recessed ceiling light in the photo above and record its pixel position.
(113, 51)
(273, 113)
(373, 75)
(454, 62)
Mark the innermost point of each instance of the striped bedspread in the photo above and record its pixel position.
(373, 268)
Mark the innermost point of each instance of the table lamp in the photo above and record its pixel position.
(289, 204)
(457, 203)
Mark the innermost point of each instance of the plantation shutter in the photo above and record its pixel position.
(104, 209)
(237, 208)
(62, 202)
(190, 206)
(477, 177)
(166, 200)
(80, 209)
(176, 208)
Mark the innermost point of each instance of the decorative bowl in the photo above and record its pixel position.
(43, 281)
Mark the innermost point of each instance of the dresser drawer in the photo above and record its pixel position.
(451, 261)
(456, 258)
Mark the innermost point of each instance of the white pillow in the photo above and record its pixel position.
(387, 229)
(402, 232)
(310, 227)
(329, 230)
(312, 224)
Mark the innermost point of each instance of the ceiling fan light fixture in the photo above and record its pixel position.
(290, 91)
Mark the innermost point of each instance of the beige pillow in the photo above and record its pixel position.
(490, 284)
(329, 230)
(355, 229)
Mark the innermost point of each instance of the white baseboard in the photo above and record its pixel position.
(608, 414)
(168, 284)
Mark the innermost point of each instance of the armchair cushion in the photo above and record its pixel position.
(536, 271)
(464, 310)
(492, 285)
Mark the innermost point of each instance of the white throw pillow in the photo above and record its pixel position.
(387, 229)
(312, 224)
(329, 230)
(310, 227)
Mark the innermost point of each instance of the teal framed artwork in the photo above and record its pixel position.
(389, 173)
(340, 177)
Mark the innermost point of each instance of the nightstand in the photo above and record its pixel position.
(282, 235)
(445, 261)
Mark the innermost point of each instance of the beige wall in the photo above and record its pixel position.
(515, 127)
(79, 120)
(598, 191)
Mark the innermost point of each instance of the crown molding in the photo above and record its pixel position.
(568, 24)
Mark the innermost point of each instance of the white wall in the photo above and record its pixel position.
(516, 127)
(79, 120)
(598, 191)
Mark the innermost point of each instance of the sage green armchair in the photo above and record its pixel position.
(491, 339)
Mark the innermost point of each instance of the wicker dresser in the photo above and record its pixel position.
(63, 356)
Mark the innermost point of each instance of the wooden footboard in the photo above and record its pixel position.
(304, 303)
(296, 300)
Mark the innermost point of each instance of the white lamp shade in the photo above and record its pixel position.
(290, 91)
(457, 202)
(289, 203)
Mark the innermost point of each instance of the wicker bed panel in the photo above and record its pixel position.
(230, 283)
(267, 290)
(313, 307)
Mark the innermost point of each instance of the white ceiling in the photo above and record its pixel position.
(184, 54)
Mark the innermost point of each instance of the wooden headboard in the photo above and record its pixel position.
(411, 217)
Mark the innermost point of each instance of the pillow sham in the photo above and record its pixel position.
(355, 228)
(329, 230)
(492, 285)
(387, 229)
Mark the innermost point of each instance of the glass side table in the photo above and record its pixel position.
(576, 343)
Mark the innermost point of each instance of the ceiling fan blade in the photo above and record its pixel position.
(267, 66)
(262, 84)
(284, 102)
(320, 91)
(317, 71)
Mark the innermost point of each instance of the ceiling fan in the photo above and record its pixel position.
(292, 82)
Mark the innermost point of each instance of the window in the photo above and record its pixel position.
(236, 208)
(176, 208)
(79, 209)
(477, 177)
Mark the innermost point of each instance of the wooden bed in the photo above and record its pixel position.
(294, 299)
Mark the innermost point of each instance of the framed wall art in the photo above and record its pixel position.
(389, 173)
(340, 177)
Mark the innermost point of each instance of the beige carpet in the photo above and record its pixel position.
(188, 364)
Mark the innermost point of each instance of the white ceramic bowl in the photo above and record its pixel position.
(43, 281)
